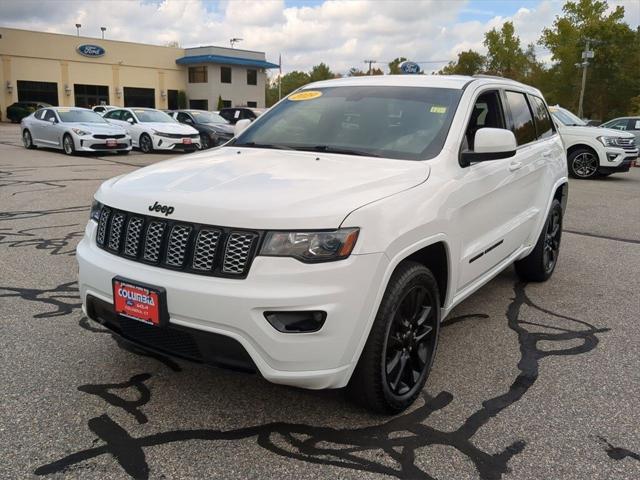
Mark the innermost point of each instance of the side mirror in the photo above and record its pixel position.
(131, 120)
(240, 126)
(52, 121)
(490, 144)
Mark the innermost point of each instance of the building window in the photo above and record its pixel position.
(225, 74)
(172, 99)
(198, 74)
(199, 104)
(252, 77)
(87, 96)
(252, 104)
(226, 103)
(139, 97)
(38, 92)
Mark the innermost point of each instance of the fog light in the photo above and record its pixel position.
(612, 157)
(159, 142)
(296, 322)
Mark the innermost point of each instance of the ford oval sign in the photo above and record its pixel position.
(407, 67)
(91, 50)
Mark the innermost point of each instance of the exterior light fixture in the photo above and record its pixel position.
(163, 93)
(67, 90)
(78, 25)
(103, 30)
(118, 92)
(9, 87)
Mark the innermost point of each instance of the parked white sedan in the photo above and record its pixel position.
(152, 129)
(73, 130)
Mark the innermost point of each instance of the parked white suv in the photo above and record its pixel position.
(593, 151)
(324, 245)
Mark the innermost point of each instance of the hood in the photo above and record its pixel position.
(219, 127)
(262, 189)
(170, 127)
(97, 127)
(593, 132)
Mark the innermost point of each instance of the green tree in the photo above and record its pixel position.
(394, 66)
(612, 75)
(469, 62)
(320, 72)
(220, 103)
(182, 99)
(505, 56)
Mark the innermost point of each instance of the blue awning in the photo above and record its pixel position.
(223, 59)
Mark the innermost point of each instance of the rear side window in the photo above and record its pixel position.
(39, 114)
(523, 126)
(113, 114)
(543, 120)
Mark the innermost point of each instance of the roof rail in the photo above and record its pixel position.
(484, 75)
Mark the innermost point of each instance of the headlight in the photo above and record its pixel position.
(80, 132)
(609, 141)
(161, 134)
(311, 246)
(96, 209)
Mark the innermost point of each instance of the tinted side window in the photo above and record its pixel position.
(523, 126)
(49, 115)
(184, 118)
(39, 114)
(634, 124)
(126, 116)
(113, 114)
(543, 120)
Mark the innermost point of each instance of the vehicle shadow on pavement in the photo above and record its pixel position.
(382, 446)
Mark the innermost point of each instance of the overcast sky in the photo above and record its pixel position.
(341, 33)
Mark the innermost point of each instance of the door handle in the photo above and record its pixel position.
(546, 154)
(513, 166)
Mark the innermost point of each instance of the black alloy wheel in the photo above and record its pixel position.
(68, 145)
(583, 164)
(401, 346)
(552, 235)
(27, 140)
(410, 341)
(205, 142)
(146, 145)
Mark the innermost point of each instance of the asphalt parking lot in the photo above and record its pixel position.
(530, 381)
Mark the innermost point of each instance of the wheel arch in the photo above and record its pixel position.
(582, 146)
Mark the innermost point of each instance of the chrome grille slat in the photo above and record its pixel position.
(237, 251)
(205, 250)
(101, 235)
(166, 243)
(132, 239)
(115, 232)
(177, 246)
(153, 241)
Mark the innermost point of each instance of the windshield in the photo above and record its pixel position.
(207, 117)
(393, 122)
(145, 116)
(565, 117)
(84, 116)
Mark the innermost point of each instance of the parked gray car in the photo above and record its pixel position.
(626, 124)
(73, 130)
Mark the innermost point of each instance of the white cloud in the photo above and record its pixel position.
(341, 33)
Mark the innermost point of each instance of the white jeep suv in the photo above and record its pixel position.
(592, 151)
(326, 243)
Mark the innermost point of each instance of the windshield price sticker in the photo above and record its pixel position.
(436, 109)
(306, 95)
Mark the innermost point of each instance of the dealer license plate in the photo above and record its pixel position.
(139, 301)
(111, 142)
(186, 141)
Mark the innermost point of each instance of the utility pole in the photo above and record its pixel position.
(370, 62)
(279, 77)
(586, 55)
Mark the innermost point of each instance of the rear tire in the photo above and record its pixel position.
(146, 145)
(539, 265)
(205, 141)
(399, 352)
(67, 145)
(27, 140)
(583, 164)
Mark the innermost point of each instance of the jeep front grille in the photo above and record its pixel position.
(176, 245)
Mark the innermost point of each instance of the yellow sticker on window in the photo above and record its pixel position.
(436, 109)
(305, 95)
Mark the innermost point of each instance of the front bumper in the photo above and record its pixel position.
(346, 290)
(166, 143)
(617, 160)
(87, 143)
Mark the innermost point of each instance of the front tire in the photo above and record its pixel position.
(399, 352)
(27, 140)
(583, 163)
(146, 145)
(539, 265)
(68, 145)
(205, 141)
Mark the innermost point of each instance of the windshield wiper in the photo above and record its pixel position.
(345, 151)
(273, 146)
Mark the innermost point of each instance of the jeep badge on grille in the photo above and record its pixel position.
(166, 209)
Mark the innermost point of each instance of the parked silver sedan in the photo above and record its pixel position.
(73, 130)
(626, 124)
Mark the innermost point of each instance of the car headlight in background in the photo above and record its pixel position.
(311, 246)
(96, 209)
(610, 141)
(79, 131)
(162, 134)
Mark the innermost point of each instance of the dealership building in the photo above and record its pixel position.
(67, 70)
